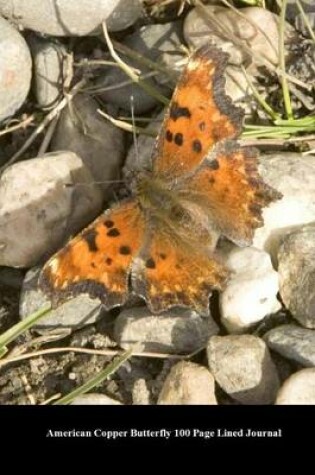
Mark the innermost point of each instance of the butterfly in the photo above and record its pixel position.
(160, 243)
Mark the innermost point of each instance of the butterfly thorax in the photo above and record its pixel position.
(180, 217)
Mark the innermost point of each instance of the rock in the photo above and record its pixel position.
(175, 331)
(73, 314)
(298, 389)
(242, 366)
(35, 202)
(297, 274)
(99, 143)
(140, 393)
(300, 23)
(155, 42)
(15, 70)
(293, 342)
(245, 25)
(187, 384)
(94, 399)
(11, 277)
(71, 17)
(49, 60)
(293, 174)
(251, 293)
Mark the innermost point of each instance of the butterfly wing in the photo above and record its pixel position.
(200, 115)
(229, 188)
(167, 273)
(98, 260)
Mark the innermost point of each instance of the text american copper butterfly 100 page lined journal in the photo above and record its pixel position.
(160, 242)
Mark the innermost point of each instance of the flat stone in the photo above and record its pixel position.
(298, 389)
(293, 342)
(176, 331)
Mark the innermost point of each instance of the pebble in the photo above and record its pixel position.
(71, 17)
(49, 59)
(188, 384)
(15, 70)
(242, 366)
(100, 144)
(36, 203)
(154, 42)
(141, 395)
(297, 274)
(251, 292)
(298, 389)
(94, 399)
(248, 25)
(71, 315)
(293, 174)
(176, 331)
(293, 342)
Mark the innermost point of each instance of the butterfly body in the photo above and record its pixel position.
(160, 242)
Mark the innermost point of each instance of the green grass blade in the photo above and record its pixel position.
(97, 379)
(21, 327)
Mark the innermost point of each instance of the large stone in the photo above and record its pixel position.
(296, 259)
(298, 389)
(293, 342)
(293, 174)
(15, 69)
(188, 384)
(100, 144)
(71, 17)
(176, 331)
(251, 292)
(38, 208)
(242, 366)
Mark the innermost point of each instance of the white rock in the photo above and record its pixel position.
(15, 69)
(175, 331)
(94, 399)
(37, 210)
(298, 389)
(71, 17)
(294, 176)
(242, 366)
(188, 384)
(140, 393)
(251, 293)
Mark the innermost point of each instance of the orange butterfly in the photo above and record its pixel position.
(159, 243)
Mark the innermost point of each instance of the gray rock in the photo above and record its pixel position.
(49, 60)
(188, 384)
(37, 210)
(100, 144)
(71, 17)
(74, 314)
(251, 292)
(155, 42)
(298, 389)
(297, 274)
(94, 399)
(293, 342)
(242, 366)
(15, 70)
(176, 331)
(292, 174)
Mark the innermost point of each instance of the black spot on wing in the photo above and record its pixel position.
(113, 232)
(176, 111)
(124, 250)
(150, 263)
(89, 237)
(214, 164)
(179, 139)
(196, 146)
